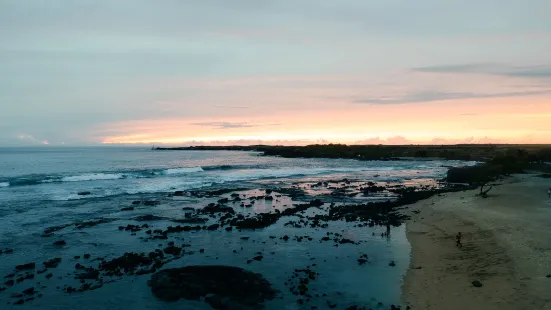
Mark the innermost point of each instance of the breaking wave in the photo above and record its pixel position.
(93, 177)
(182, 170)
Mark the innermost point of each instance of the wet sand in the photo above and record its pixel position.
(506, 246)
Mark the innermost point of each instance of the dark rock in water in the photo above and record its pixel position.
(188, 209)
(151, 203)
(133, 228)
(86, 256)
(362, 261)
(392, 263)
(89, 274)
(476, 283)
(27, 266)
(84, 193)
(127, 209)
(233, 287)
(92, 223)
(136, 202)
(223, 200)
(269, 198)
(258, 258)
(213, 208)
(60, 243)
(52, 263)
(9, 283)
(192, 220)
(259, 221)
(344, 240)
(213, 227)
(178, 193)
(316, 203)
(147, 217)
(548, 276)
(173, 250)
(6, 251)
(129, 262)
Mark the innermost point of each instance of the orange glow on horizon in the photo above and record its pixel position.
(490, 120)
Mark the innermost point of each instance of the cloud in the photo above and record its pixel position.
(469, 140)
(229, 107)
(242, 142)
(540, 71)
(225, 125)
(429, 96)
(26, 137)
(230, 125)
(397, 140)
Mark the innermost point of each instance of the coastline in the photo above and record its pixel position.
(506, 246)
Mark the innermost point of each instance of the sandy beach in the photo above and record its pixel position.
(506, 246)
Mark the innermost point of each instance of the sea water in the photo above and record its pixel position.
(45, 187)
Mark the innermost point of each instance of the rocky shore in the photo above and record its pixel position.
(316, 208)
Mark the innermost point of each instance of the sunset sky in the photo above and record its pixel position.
(274, 71)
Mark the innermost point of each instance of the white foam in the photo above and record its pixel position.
(164, 186)
(254, 174)
(93, 177)
(182, 170)
(4, 184)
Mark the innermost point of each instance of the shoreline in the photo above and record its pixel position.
(506, 246)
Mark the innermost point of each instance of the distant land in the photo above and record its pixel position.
(476, 152)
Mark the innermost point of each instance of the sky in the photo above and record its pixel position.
(182, 72)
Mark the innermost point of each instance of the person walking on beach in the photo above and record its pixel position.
(458, 240)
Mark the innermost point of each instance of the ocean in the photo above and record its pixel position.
(62, 188)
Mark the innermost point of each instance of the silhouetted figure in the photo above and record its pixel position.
(549, 192)
(458, 240)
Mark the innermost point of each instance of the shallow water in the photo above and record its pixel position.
(341, 277)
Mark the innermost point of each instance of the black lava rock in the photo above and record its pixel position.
(233, 287)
